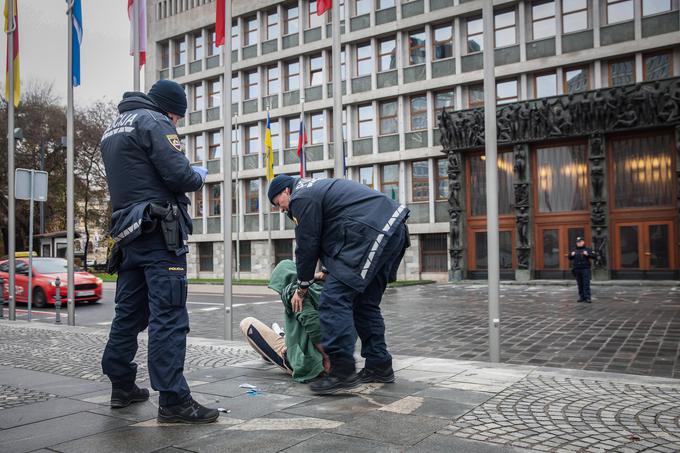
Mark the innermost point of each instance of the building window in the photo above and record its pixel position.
(214, 199)
(389, 177)
(252, 196)
(235, 42)
(362, 7)
(198, 204)
(198, 96)
(545, 85)
(344, 124)
(180, 52)
(316, 70)
(444, 100)
(198, 46)
(387, 54)
(364, 59)
(650, 7)
(290, 15)
(443, 42)
(420, 181)
(318, 128)
(543, 20)
(165, 55)
(214, 89)
(433, 253)
(365, 121)
(619, 11)
(366, 176)
(504, 245)
(318, 174)
(314, 19)
(643, 172)
(389, 123)
(418, 112)
(505, 32)
(476, 96)
(199, 148)
(382, 4)
(272, 24)
(205, 256)
(212, 45)
(576, 80)
(562, 178)
(622, 72)
(214, 145)
(442, 180)
(283, 250)
(250, 32)
(252, 139)
(273, 80)
(235, 89)
(244, 256)
(506, 92)
(234, 142)
(343, 68)
(292, 75)
(416, 47)
(574, 15)
(292, 132)
(252, 89)
(475, 35)
(275, 129)
(478, 185)
(658, 66)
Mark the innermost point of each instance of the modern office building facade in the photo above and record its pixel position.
(564, 170)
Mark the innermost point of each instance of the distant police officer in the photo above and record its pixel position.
(360, 236)
(580, 266)
(148, 176)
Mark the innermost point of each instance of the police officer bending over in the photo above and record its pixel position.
(360, 236)
(148, 176)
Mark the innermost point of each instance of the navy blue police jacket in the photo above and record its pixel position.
(343, 224)
(144, 162)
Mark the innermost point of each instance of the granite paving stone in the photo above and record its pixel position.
(394, 428)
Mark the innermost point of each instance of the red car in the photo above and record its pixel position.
(45, 271)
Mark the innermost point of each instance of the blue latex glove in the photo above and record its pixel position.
(202, 172)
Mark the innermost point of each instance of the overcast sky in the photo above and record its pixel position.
(106, 67)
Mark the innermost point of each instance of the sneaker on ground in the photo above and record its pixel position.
(331, 384)
(188, 412)
(376, 376)
(123, 398)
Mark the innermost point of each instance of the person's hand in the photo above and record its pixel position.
(326, 359)
(585, 252)
(320, 276)
(202, 172)
(296, 302)
(573, 253)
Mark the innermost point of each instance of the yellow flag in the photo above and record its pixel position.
(15, 51)
(269, 150)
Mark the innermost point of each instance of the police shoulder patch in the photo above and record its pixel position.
(175, 142)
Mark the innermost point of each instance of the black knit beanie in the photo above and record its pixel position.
(278, 185)
(169, 96)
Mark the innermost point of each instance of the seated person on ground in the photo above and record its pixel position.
(299, 351)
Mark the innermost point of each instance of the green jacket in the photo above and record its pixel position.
(302, 329)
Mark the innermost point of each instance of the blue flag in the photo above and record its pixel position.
(77, 40)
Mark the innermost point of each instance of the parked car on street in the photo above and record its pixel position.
(88, 288)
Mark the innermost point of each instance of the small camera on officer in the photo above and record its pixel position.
(148, 176)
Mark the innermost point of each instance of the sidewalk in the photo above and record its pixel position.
(53, 397)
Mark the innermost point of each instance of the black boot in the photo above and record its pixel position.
(121, 397)
(343, 376)
(187, 412)
(378, 375)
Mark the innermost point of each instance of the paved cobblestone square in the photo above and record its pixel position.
(11, 396)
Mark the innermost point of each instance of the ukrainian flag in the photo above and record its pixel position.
(269, 150)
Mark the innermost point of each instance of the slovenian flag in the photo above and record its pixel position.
(302, 141)
(220, 11)
(77, 25)
(142, 30)
(323, 5)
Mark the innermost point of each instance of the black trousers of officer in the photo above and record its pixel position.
(342, 309)
(583, 282)
(151, 291)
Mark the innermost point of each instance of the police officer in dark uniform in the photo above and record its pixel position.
(580, 266)
(360, 237)
(148, 176)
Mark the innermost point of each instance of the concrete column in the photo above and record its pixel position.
(457, 49)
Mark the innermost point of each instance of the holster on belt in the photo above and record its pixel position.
(169, 217)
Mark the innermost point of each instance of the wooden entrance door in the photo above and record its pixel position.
(644, 246)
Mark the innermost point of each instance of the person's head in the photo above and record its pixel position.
(580, 242)
(279, 191)
(170, 97)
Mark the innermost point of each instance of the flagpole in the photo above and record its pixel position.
(70, 224)
(269, 212)
(11, 233)
(338, 145)
(135, 43)
(226, 171)
(301, 139)
(238, 201)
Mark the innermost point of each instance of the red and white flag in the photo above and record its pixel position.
(322, 6)
(142, 30)
(220, 11)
